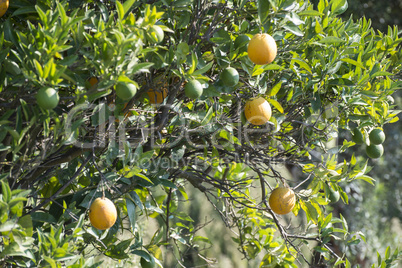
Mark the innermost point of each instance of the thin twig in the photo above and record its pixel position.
(62, 188)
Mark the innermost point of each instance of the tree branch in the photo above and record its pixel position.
(62, 188)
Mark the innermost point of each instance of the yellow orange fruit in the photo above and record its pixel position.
(3, 7)
(262, 49)
(102, 213)
(93, 81)
(257, 111)
(282, 200)
(156, 96)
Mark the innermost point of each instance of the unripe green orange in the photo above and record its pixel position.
(47, 98)
(229, 77)
(374, 150)
(377, 136)
(193, 89)
(125, 91)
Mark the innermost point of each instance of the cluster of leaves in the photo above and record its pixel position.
(329, 75)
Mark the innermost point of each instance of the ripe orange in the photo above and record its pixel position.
(262, 49)
(47, 98)
(282, 200)
(156, 96)
(93, 81)
(102, 213)
(3, 7)
(257, 111)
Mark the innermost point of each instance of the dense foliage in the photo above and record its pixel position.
(329, 76)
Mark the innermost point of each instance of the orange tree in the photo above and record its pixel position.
(64, 141)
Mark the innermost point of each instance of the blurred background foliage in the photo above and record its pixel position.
(381, 13)
(377, 210)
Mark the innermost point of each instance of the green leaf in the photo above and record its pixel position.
(202, 239)
(14, 249)
(194, 62)
(312, 212)
(257, 70)
(207, 117)
(338, 262)
(7, 226)
(39, 68)
(302, 64)
(62, 13)
(273, 66)
(380, 73)
(50, 261)
(275, 89)
(293, 29)
(276, 104)
(327, 220)
(130, 205)
(136, 199)
(6, 191)
(127, 5)
(142, 176)
(357, 64)
(313, 13)
(203, 69)
(141, 67)
(120, 10)
(15, 201)
(367, 179)
(339, 6)
(26, 223)
(42, 15)
(24, 10)
(263, 10)
(331, 40)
